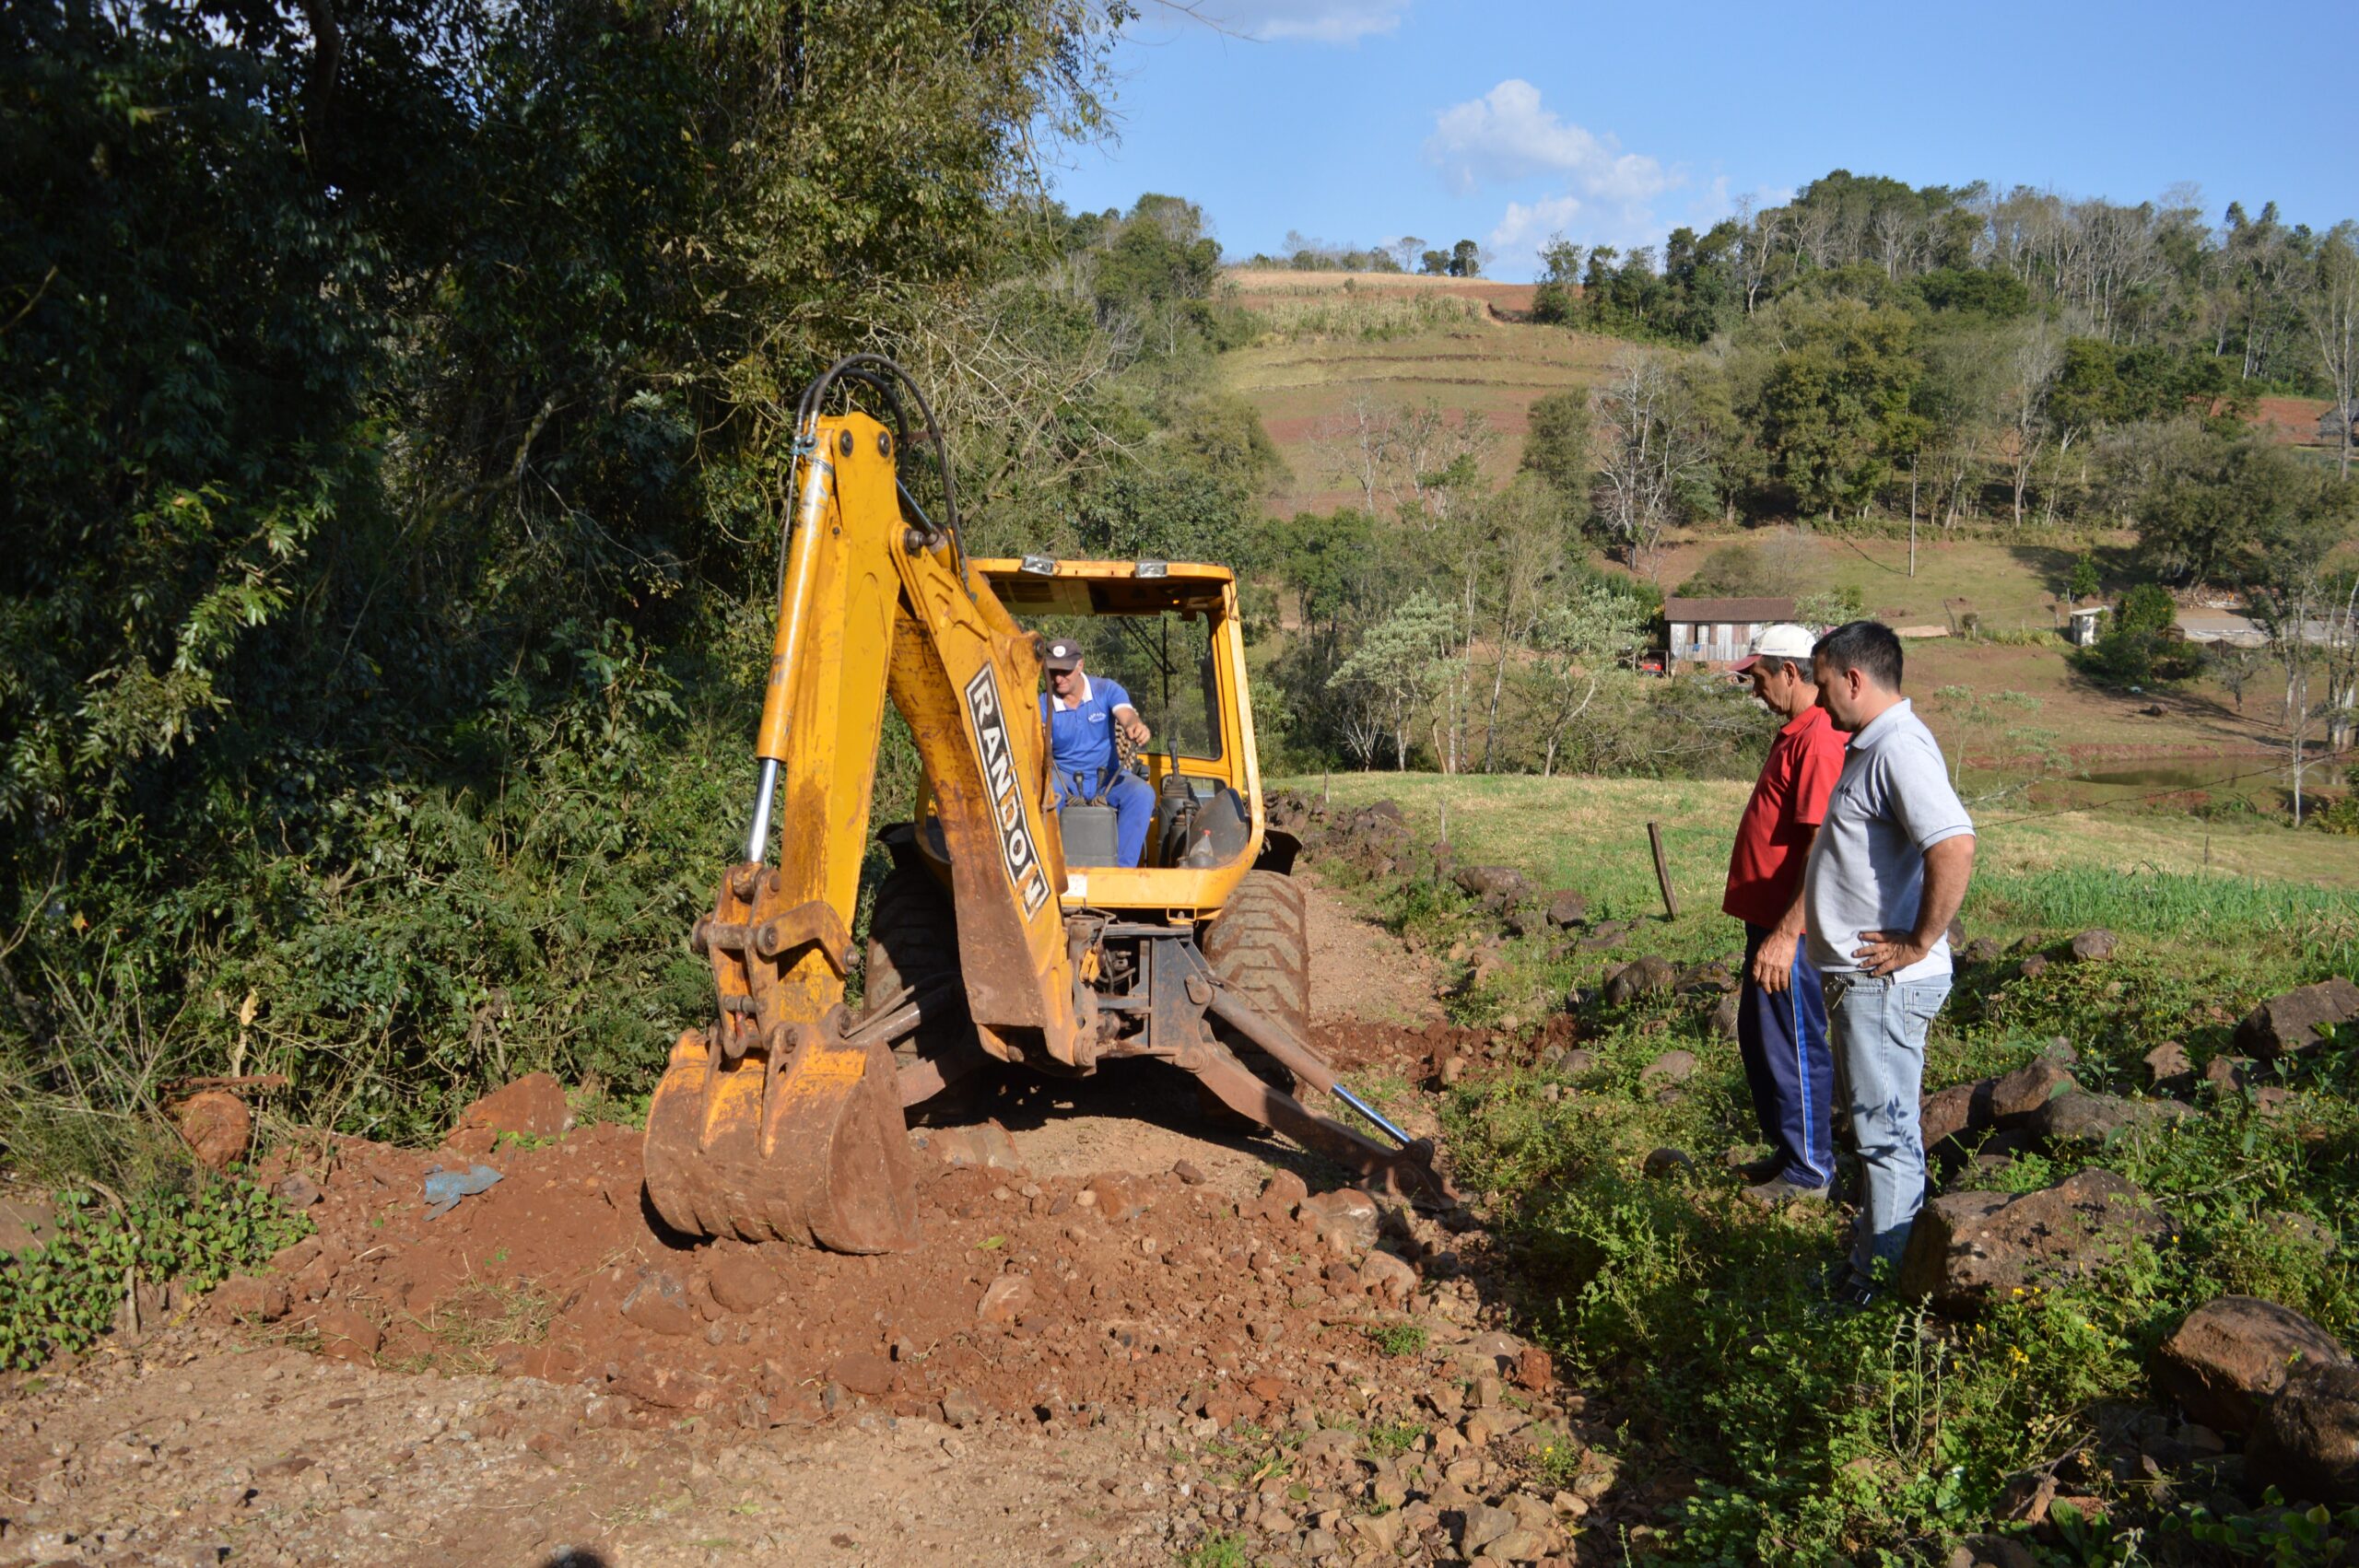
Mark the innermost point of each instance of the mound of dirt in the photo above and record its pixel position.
(1054, 1296)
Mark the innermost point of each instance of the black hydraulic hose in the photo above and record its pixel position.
(879, 373)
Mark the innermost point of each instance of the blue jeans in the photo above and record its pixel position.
(1878, 1029)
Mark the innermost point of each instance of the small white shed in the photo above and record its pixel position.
(2081, 625)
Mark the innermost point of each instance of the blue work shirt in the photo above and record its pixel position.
(1081, 738)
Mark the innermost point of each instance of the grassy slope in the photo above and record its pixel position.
(2011, 586)
(1333, 344)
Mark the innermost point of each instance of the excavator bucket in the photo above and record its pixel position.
(808, 1146)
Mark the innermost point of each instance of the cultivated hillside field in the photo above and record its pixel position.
(1396, 339)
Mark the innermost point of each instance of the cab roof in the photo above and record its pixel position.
(1041, 585)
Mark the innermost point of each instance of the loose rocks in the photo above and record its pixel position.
(1640, 977)
(2232, 1354)
(1990, 1552)
(2291, 1022)
(2095, 945)
(1498, 885)
(1566, 908)
(346, 1335)
(1004, 1300)
(533, 1107)
(1281, 1195)
(1346, 1218)
(2004, 1101)
(659, 1303)
(2307, 1444)
(2168, 1066)
(743, 1282)
(217, 1127)
(1969, 1249)
(1669, 1069)
(1388, 1279)
(870, 1376)
(2098, 1118)
(252, 1299)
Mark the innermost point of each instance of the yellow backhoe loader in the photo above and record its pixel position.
(784, 1118)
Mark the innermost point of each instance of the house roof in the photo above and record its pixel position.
(1728, 610)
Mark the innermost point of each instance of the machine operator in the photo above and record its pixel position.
(1083, 715)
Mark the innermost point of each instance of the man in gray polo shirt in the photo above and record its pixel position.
(1887, 872)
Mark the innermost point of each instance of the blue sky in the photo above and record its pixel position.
(1360, 121)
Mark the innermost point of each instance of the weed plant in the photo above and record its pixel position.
(64, 1293)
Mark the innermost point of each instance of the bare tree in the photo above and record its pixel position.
(1358, 446)
(1434, 458)
(1010, 393)
(1652, 454)
(2038, 357)
(2331, 307)
(2314, 641)
(1897, 233)
(1756, 249)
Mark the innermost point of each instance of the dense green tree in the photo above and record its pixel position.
(1397, 668)
(2235, 509)
(2083, 581)
(1826, 408)
(1159, 255)
(399, 405)
(1557, 448)
(1557, 299)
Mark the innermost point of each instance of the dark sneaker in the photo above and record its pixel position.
(1847, 1290)
(1766, 1168)
(1778, 1191)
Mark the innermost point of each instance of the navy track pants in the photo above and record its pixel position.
(1788, 1065)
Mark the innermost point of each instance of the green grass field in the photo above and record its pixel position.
(1591, 834)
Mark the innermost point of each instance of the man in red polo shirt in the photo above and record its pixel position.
(1781, 1012)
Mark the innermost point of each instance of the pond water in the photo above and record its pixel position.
(2190, 773)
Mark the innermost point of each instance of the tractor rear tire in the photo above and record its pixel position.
(913, 942)
(1259, 946)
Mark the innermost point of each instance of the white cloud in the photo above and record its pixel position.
(1523, 229)
(1509, 133)
(1315, 21)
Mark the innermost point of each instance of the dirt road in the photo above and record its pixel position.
(1115, 1348)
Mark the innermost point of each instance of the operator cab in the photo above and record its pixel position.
(1167, 633)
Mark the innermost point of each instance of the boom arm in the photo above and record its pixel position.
(772, 1123)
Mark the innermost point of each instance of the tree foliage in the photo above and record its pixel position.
(398, 393)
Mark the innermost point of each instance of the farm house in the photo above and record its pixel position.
(1719, 631)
